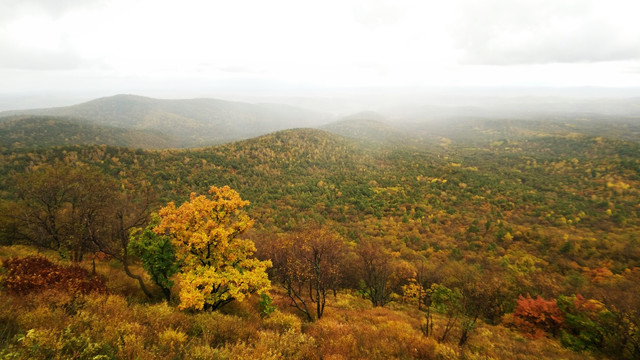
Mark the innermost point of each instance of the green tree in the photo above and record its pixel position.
(157, 254)
(448, 302)
(584, 320)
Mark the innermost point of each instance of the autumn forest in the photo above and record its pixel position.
(471, 238)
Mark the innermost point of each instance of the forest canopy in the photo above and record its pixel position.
(532, 238)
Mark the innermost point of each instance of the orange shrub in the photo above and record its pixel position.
(537, 317)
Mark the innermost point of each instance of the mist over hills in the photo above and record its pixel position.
(192, 122)
(369, 126)
(143, 122)
(524, 108)
(39, 131)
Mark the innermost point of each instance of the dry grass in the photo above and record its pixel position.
(124, 325)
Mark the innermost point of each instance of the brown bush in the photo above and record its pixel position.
(37, 273)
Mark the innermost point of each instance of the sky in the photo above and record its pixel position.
(289, 46)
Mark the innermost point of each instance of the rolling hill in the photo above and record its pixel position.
(34, 131)
(369, 126)
(550, 215)
(193, 122)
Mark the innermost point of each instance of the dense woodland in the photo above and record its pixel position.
(510, 239)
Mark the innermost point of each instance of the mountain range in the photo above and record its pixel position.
(179, 123)
(142, 122)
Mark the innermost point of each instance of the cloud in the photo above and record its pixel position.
(333, 42)
(54, 9)
(239, 69)
(15, 56)
(378, 13)
(539, 32)
(37, 34)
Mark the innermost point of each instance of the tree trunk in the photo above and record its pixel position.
(167, 293)
(463, 337)
(466, 328)
(127, 271)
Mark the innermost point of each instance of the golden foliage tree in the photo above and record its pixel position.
(218, 267)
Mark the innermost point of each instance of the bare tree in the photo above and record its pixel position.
(62, 207)
(376, 271)
(307, 263)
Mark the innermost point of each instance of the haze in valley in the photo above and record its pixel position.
(338, 57)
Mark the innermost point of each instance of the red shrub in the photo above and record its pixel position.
(36, 273)
(537, 317)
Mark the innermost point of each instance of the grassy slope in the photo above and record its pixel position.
(122, 325)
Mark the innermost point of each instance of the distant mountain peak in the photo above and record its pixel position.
(365, 126)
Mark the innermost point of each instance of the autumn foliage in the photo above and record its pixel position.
(307, 264)
(586, 322)
(460, 231)
(36, 274)
(537, 317)
(217, 266)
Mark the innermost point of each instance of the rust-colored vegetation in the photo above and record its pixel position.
(36, 274)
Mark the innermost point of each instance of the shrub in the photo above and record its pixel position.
(537, 317)
(376, 334)
(36, 273)
(583, 320)
(269, 345)
(158, 317)
(172, 342)
(65, 344)
(281, 322)
(266, 305)
(218, 329)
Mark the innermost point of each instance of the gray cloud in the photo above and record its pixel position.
(534, 32)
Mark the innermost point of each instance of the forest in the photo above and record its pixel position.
(490, 239)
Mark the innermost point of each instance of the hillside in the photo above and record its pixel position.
(477, 130)
(32, 131)
(547, 181)
(369, 126)
(550, 213)
(517, 107)
(194, 122)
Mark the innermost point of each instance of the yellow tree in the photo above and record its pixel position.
(217, 267)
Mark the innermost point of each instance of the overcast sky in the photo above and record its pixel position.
(120, 46)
